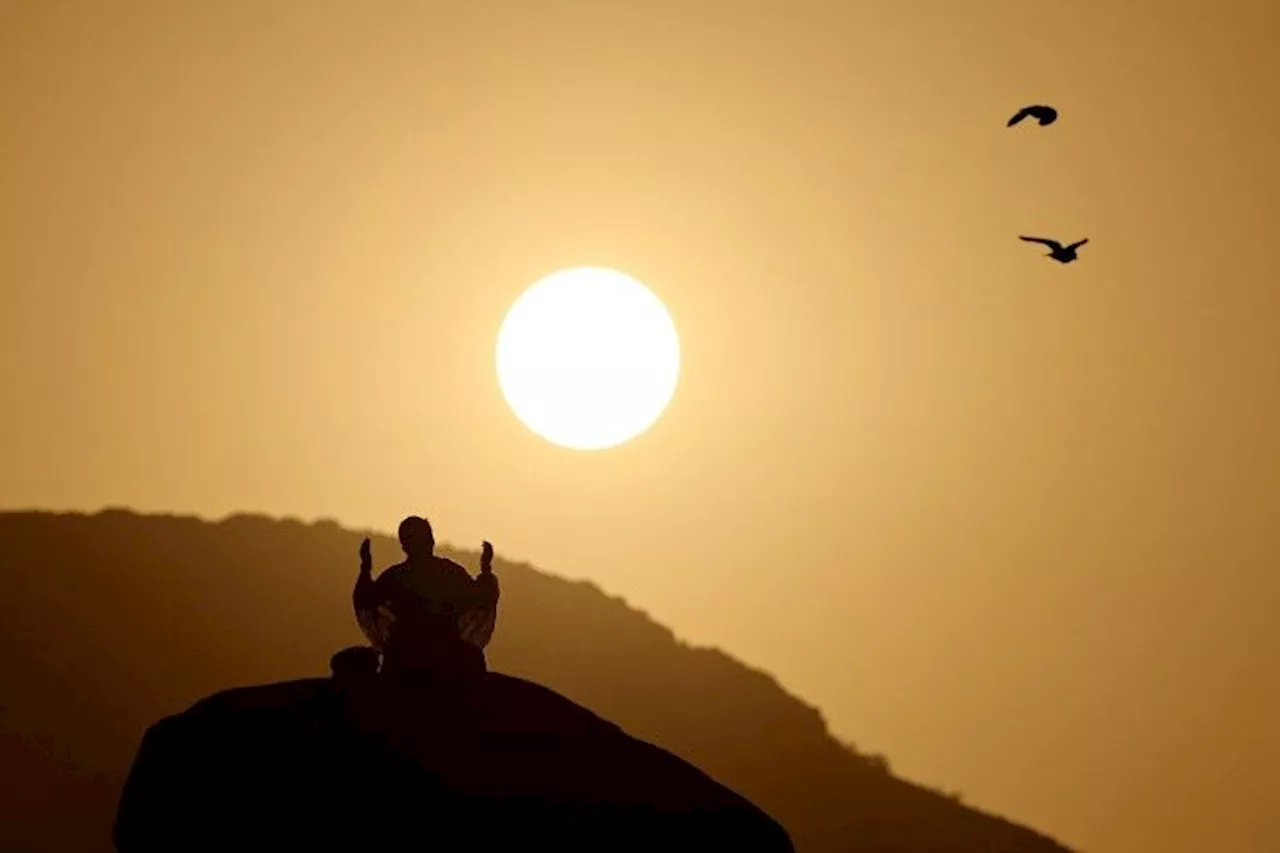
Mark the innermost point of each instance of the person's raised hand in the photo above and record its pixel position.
(366, 556)
(486, 557)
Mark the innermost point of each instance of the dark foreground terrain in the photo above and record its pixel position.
(486, 763)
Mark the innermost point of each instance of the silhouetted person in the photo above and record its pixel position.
(429, 752)
(419, 611)
(1057, 251)
(1043, 114)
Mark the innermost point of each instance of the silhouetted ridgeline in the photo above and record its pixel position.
(110, 621)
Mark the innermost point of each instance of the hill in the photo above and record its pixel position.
(110, 621)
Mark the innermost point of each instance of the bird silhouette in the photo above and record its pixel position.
(1044, 115)
(1057, 251)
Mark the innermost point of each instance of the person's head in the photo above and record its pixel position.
(416, 537)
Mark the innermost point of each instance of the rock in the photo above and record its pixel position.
(363, 761)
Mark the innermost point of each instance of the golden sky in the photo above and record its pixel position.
(1013, 523)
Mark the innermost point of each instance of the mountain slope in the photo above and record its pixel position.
(112, 620)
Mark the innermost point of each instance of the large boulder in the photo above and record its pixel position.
(365, 761)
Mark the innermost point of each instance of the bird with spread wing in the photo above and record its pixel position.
(1057, 251)
(1039, 112)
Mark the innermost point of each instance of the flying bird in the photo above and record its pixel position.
(1044, 115)
(1057, 251)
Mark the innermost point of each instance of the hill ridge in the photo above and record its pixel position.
(159, 629)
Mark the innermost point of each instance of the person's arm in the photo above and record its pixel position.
(487, 582)
(373, 621)
(480, 592)
(362, 595)
(478, 623)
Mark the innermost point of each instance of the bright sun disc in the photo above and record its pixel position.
(588, 358)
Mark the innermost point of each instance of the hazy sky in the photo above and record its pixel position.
(1012, 523)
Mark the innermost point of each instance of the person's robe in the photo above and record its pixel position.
(436, 589)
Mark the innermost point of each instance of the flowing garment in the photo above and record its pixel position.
(435, 589)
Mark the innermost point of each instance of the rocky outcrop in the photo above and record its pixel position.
(362, 761)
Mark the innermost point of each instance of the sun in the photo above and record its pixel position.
(588, 358)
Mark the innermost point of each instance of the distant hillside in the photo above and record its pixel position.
(109, 621)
